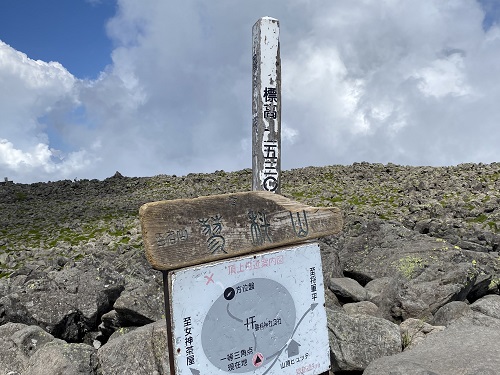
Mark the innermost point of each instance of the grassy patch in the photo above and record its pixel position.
(480, 219)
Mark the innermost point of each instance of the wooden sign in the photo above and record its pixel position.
(186, 232)
(266, 105)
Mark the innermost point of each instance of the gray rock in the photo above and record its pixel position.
(363, 307)
(481, 287)
(451, 312)
(18, 342)
(428, 213)
(140, 304)
(58, 357)
(110, 322)
(29, 350)
(414, 332)
(488, 305)
(378, 286)
(429, 272)
(68, 303)
(408, 368)
(330, 259)
(355, 341)
(466, 350)
(347, 290)
(121, 331)
(141, 351)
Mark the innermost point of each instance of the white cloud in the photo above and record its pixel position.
(405, 82)
(31, 90)
(38, 161)
(443, 77)
(17, 159)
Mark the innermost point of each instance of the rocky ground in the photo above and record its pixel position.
(412, 281)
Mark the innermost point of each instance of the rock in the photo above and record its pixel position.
(483, 312)
(409, 368)
(456, 350)
(363, 307)
(58, 357)
(480, 288)
(424, 243)
(347, 289)
(68, 303)
(387, 295)
(355, 341)
(121, 331)
(141, 351)
(451, 312)
(140, 304)
(488, 305)
(414, 332)
(378, 286)
(330, 259)
(429, 272)
(29, 350)
(109, 324)
(18, 342)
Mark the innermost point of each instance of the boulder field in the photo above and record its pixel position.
(412, 282)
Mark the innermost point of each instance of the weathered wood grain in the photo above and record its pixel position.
(186, 232)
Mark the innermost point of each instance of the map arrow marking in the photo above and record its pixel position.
(311, 308)
(293, 348)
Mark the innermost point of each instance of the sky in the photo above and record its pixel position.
(91, 87)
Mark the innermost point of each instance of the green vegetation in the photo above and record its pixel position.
(21, 196)
(407, 337)
(66, 213)
(480, 219)
(494, 284)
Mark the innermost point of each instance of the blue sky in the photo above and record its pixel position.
(150, 87)
(70, 32)
(492, 12)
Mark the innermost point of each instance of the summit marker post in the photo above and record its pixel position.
(266, 106)
(243, 284)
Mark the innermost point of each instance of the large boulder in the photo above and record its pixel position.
(29, 350)
(415, 331)
(483, 312)
(18, 342)
(58, 357)
(488, 305)
(357, 340)
(420, 273)
(347, 289)
(140, 303)
(67, 303)
(457, 350)
(141, 351)
(468, 346)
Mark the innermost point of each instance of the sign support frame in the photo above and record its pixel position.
(166, 297)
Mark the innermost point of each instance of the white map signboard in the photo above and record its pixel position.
(258, 314)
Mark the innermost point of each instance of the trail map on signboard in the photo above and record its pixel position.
(258, 314)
